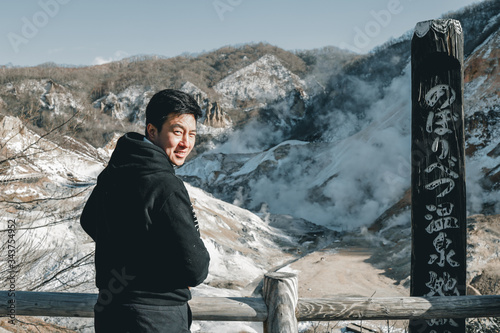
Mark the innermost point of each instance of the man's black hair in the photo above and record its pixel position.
(169, 101)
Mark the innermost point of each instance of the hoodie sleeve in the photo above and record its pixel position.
(90, 214)
(190, 249)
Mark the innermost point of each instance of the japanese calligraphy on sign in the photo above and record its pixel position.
(438, 173)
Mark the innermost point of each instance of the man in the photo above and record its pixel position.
(148, 246)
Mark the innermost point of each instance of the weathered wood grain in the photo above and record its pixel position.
(27, 303)
(254, 309)
(229, 309)
(395, 308)
(281, 296)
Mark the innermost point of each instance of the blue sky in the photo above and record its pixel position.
(87, 32)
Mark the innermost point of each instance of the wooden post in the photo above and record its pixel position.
(438, 266)
(281, 297)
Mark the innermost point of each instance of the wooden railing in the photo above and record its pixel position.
(279, 310)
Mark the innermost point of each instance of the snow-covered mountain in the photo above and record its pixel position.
(49, 94)
(358, 163)
(329, 181)
(259, 83)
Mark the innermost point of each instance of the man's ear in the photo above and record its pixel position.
(152, 132)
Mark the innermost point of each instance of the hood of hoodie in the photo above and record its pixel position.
(135, 155)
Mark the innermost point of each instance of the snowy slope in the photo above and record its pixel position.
(37, 155)
(261, 82)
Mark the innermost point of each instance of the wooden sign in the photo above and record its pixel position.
(438, 266)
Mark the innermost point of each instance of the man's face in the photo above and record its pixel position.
(177, 136)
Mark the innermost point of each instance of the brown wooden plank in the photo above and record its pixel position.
(397, 308)
(254, 309)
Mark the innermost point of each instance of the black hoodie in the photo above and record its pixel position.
(148, 246)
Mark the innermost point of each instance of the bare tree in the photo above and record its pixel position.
(41, 244)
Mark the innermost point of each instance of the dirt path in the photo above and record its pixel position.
(343, 272)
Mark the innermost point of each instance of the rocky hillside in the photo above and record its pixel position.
(482, 96)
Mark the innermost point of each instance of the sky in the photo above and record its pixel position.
(90, 32)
